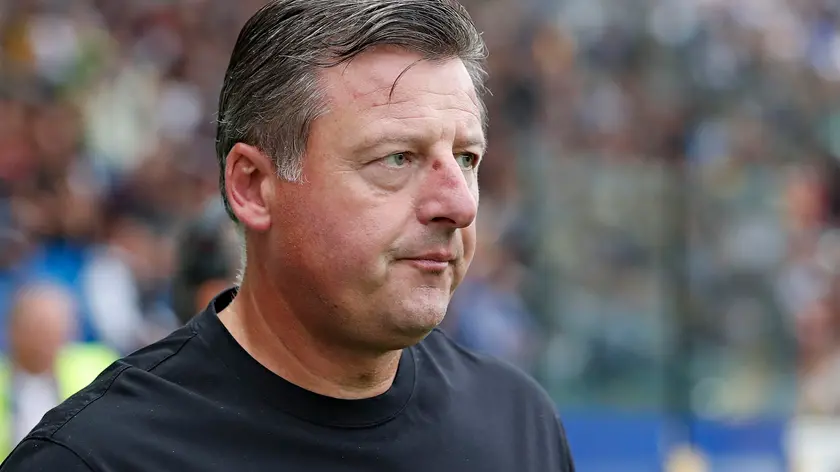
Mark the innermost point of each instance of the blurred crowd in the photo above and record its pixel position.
(661, 190)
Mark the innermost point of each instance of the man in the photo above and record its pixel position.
(208, 257)
(350, 133)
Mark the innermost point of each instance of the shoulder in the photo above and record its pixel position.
(498, 396)
(42, 454)
(483, 373)
(106, 413)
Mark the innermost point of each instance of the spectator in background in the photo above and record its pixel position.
(818, 334)
(487, 313)
(44, 366)
(208, 257)
(124, 316)
(13, 247)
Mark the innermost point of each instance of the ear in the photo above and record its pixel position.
(249, 183)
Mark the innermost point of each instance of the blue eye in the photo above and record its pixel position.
(467, 160)
(398, 159)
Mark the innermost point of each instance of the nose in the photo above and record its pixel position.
(449, 195)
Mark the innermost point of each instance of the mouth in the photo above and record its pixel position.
(427, 265)
(432, 262)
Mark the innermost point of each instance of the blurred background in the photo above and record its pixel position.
(660, 221)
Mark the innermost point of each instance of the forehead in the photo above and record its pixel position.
(397, 81)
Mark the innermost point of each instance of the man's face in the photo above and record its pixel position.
(42, 325)
(375, 240)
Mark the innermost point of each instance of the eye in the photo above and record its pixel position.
(467, 160)
(398, 159)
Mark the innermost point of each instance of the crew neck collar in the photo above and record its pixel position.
(281, 394)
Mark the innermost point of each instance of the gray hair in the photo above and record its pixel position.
(271, 92)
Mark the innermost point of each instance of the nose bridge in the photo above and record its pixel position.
(446, 168)
(450, 192)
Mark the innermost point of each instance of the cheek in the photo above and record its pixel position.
(338, 239)
(468, 236)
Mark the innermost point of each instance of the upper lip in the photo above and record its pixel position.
(436, 256)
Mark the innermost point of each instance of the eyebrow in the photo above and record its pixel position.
(472, 141)
(373, 141)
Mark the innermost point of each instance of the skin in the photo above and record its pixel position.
(360, 260)
(40, 326)
(207, 291)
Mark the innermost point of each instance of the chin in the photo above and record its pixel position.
(404, 337)
(411, 324)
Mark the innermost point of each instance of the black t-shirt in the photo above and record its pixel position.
(196, 401)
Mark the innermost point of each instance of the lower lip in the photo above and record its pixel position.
(428, 265)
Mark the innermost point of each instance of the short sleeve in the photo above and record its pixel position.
(41, 455)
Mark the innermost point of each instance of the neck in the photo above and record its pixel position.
(273, 335)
